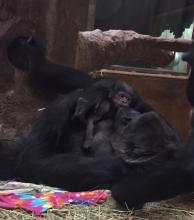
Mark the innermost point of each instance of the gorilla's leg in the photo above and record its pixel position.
(74, 173)
(28, 53)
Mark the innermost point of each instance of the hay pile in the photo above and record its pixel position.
(69, 212)
(180, 208)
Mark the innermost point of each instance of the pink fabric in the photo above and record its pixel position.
(41, 202)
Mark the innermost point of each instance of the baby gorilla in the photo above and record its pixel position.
(99, 118)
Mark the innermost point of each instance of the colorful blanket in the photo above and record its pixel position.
(39, 198)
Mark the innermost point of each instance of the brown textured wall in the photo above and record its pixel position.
(164, 92)
(53, 21)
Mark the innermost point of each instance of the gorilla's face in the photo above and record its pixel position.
(141, 136)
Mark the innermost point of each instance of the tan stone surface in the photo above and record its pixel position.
(97, 49)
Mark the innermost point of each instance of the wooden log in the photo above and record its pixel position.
(97, 49)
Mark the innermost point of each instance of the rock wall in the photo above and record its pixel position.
(55, 22)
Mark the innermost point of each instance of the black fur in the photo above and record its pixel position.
(53, 156)
(28, 54)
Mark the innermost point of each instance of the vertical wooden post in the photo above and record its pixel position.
(91, 15)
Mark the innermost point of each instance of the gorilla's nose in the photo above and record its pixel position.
(132, 114)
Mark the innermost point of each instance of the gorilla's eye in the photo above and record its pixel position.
(122, 96)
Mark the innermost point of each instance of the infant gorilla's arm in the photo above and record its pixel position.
(92, 119)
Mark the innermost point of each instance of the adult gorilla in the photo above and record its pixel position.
(52, 152)
(143, 144)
